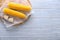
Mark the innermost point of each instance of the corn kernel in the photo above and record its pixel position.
(5, 17)
(10, 20)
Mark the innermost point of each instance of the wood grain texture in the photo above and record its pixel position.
(44, 23)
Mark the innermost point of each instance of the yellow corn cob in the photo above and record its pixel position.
(16, 6)
(13, 13)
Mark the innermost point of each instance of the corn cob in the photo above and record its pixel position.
(16, 6)
(13, 13)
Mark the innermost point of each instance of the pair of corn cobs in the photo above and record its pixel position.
(15, 6)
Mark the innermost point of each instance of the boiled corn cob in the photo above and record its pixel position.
(14, 13)
(16, 6)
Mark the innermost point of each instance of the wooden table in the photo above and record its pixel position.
(44, 24)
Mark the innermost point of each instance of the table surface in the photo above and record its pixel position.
(44, 23)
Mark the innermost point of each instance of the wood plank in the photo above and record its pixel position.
(45, 4)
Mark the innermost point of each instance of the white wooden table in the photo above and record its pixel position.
(44, 24)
